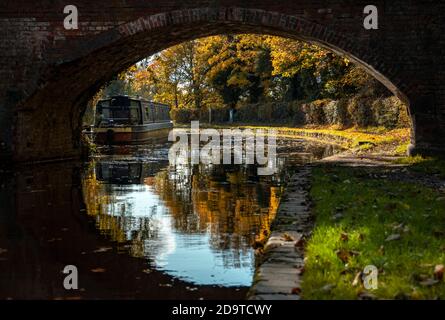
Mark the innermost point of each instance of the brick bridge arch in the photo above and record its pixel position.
(55, 71)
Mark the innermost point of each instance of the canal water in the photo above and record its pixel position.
(135, 226)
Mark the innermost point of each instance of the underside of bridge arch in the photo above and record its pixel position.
(46, 124)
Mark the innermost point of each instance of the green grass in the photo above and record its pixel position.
(368, 210)
(402, 148)
(365, 146)
(424, 165)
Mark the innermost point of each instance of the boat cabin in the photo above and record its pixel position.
(125, 111)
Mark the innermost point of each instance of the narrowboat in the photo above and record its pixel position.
(121, 120)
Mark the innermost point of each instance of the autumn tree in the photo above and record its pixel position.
(232, 70)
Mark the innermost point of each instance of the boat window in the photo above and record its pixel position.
(163, 113)
(135, 116)
(148, 114)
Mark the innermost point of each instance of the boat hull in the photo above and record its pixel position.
(141, 134)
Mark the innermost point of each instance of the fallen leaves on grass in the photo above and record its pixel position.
(401, 228)
(296, 290)
(428, 282)
(344, 255)
(438, 271)
(366, 296)
(344, 237)
(337, 217)
(357, 279)
(393, 237)
(327, 288)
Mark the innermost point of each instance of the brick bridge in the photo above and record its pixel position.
(47, 73)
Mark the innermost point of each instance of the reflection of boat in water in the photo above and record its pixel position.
(119, 172)
(126, 172)
(122, 120)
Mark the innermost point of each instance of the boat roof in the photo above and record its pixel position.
(133, 98)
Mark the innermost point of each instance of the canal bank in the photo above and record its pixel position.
(354, 211)
(358, 140)
(281, 263)
(279, 272)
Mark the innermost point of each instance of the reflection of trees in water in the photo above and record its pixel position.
(113, 215)
(232, 203)
(229, 204)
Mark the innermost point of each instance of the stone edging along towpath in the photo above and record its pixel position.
(278, 275)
